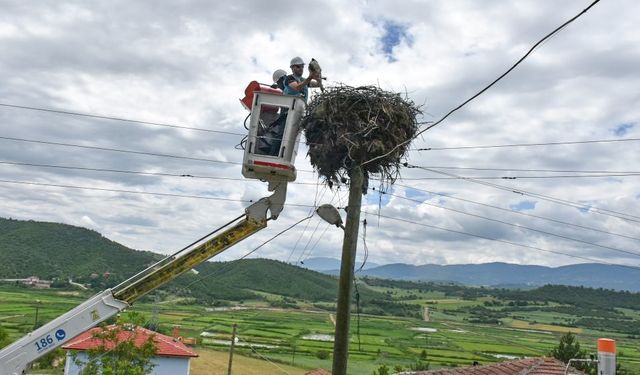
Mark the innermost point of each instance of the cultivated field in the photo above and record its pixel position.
(300, 338)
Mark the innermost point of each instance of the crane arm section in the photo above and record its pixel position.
(15, 358)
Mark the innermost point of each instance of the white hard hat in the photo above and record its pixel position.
(296, 61)
(278, 74)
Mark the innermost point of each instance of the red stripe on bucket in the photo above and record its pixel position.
(274, 165)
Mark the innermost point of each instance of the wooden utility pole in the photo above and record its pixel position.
(233, 344)
(349, 245)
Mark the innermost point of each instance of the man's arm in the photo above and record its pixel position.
(311, 81)
(298, 86)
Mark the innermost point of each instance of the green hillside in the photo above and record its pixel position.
(51, 250)
(59, 251)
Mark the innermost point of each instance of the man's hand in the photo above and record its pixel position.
(315, 75)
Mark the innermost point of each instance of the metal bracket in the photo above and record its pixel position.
(274, 203)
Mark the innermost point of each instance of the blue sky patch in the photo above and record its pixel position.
(373, 197)
(622, 129)
(394, 34)
(524, 205)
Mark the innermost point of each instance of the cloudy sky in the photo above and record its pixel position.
(188, 62)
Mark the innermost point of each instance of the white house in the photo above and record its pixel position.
(172, 357)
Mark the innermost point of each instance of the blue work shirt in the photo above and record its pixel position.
(289, 91)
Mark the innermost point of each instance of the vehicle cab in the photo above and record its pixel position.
(272, 142)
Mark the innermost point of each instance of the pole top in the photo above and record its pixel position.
(607, 345)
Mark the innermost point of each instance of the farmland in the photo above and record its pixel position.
(300, 337)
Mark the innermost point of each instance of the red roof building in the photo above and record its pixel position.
(528, 366)
(172, 356)
(167, 346)
(318, 372)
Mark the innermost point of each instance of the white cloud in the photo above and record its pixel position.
(188, 64)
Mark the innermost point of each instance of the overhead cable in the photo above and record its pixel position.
(66, 112)
(527, 144)
(556, 30)
(533, 170)
(594, 260)
(159, 174)
(127, 151)
(601, 175)
(628, 252)
(139, 192)
(229, 264)
(449, 196)
(601, 211)
(118, 150)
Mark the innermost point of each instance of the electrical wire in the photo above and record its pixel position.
(229, 264)
(159, 174)
(121, 119)
(533, 170)
(127, 151)
(594, 260)
(304, 230)
(519, 212)
(516, 225)
(139, 192)
(266, 359)
(522, 177)
(556, 30)
(527, 144)
(118, 150)
(601, 211)
(307, 251)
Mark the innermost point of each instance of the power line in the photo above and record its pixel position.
(118, 150)
(122, 119)
(229, 264)
(549, 198)
(516, 225)
(304, 230)
(489, 85)
(126, 151)
(520, 213)
(528, 144)
(306, 254)
(595, 260)
(122, 191)
(533, 170)
(139, 192)
(524, 177)
(159, 174)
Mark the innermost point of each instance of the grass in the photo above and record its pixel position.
(543, 327)
(211, 362)
(383, 340)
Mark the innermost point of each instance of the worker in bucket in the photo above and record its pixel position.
(278, 79)
(295, 84)
(270, 136)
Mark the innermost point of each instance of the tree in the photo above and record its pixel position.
(382, 370)
(568, 348)
(118, 352)
(423, 355)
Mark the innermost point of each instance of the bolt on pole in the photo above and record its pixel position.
(345, 285)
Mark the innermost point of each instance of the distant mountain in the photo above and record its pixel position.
(500, 274)
(52, 250)
(330, 264)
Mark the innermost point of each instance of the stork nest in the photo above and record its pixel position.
(347, 126)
